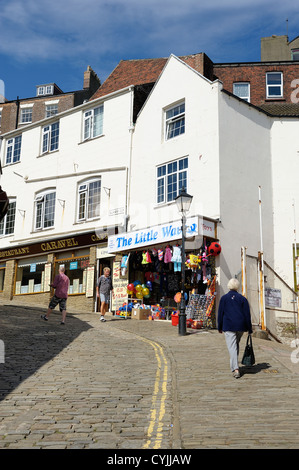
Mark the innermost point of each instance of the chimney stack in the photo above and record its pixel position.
(91, 80)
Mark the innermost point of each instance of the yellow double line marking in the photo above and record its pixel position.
(154, 432)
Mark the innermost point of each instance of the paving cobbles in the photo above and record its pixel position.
(129, 384)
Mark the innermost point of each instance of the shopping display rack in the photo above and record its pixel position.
(200, 307)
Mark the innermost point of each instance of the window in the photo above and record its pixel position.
(26, 114)
(89, 198)
(31, 276)
(295, 54)
(51, 110)
(50, 139)
(175, 121)
(242, 90)
(93, 122)
(45, 90)
(274, 85)
(45, 210)
(171, 178)
(76, 268)
(13, 150)
(41, 90)
(7, 225)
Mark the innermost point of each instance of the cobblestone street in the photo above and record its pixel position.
(129, 384)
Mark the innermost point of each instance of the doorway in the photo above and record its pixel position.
(101, 264)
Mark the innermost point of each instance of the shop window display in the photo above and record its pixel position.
(31, 277)
(159, 270)
(76, 270)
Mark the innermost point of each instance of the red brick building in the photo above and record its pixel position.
(263, 84)
(49, 100)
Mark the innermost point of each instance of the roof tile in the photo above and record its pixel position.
(142, 71)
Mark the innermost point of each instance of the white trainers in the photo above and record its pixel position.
(102, 318)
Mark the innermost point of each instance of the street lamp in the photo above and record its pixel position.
(183, 202)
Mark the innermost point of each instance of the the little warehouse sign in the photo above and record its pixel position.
(153, 235)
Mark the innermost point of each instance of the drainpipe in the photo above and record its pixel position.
(261, 290)
(261, 270)
(129, 168)
(243, 271)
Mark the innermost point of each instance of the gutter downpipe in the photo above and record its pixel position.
(243, 271)
(129, 167)
(261, 270)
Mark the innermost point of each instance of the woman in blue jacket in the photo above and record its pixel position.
(233, 319)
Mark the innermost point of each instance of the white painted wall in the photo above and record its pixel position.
(285, 168)
(245, 164)
(228, 146)
(199, 143)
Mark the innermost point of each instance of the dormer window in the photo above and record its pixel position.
(45, 90)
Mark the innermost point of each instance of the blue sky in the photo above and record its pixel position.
(54, 41)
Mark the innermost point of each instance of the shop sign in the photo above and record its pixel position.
(74, 265)
(102, 252)
(208, 228)
(153, 235)
(49, 246)
(47, 277)
(33, 268)
(272, 297)
(119, 295)
(89, 281)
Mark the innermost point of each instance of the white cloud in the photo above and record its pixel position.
(44, 30)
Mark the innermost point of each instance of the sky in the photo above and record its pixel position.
(44, 41)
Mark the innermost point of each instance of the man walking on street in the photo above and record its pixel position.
(103, 288)
(61, 285)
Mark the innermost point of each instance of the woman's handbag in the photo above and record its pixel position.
(248, 356)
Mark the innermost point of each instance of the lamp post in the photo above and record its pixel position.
(183, 201)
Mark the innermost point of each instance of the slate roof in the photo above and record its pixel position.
(281, 109)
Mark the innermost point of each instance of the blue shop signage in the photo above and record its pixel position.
(153, 235)
(74, 265)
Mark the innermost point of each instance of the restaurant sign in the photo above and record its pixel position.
(77, 241)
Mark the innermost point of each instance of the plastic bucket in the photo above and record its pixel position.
(175, 319)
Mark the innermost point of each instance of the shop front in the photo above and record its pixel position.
(147, 274)
(28, 270)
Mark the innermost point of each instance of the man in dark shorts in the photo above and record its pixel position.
(103, 288)
(61, 285)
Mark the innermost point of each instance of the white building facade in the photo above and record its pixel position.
(67, 179)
